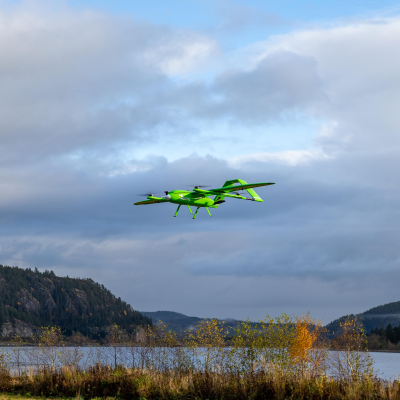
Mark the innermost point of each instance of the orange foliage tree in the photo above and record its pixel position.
(308, 351)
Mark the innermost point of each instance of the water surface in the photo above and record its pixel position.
(386, 365)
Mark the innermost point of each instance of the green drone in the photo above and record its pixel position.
(201, 198)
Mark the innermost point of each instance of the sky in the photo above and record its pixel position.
(103, 100)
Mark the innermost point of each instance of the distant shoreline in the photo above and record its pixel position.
(383, 351)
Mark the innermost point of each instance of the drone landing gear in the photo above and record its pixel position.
(196, 213)
(177, 210)
(191, 212)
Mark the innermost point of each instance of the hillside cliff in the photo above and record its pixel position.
(31, 299)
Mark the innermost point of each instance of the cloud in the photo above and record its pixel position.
(357, 70)
(83, 93)
(304, 238)
(291, 157)
(282, 82)
(86, 80)
(182, 52)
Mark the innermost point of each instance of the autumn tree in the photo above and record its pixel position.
(50, 341)
(276, 337)
(307, 350)
(208, 344)
(245, 352)
(350, 359)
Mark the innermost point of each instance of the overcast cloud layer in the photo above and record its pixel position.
(95, 108)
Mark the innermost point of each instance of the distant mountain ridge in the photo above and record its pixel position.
(31, 299)
(179, 323)
(373, 318)
(176, 322)
(165, 315)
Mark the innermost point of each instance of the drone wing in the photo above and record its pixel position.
(139, 203)
(234, 188)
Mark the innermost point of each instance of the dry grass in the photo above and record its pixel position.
(105, 382)
(11, 396)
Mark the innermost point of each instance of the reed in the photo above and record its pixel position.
(124, 383)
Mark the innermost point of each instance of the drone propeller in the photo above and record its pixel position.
(199, 186)
(152, 194)
(145, 194)
(237, 193)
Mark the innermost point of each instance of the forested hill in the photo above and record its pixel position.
(374, 318)
(76, 305)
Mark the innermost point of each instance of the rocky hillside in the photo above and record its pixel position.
(31, 299)
(376, 317)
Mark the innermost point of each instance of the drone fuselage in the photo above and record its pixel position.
(185, 197)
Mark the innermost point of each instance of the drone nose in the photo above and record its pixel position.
(167, 197)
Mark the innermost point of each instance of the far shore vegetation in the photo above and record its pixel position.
(277, 358)
(385, 338)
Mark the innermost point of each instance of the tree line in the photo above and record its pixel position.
(384, 338)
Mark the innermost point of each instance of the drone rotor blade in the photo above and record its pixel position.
(199, 186)
(145, 194)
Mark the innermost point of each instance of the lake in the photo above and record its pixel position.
(386, 365)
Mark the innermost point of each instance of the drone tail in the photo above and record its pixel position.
(250, 191)
(254, 195)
